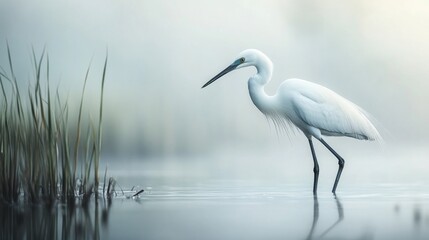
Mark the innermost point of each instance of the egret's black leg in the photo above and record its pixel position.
(316, 167)
(340, 164)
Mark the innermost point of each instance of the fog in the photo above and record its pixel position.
(374, 53)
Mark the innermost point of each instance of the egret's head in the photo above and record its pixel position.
(249, 57)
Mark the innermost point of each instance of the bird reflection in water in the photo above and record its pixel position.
(316, 218)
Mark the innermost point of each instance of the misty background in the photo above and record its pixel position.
(375, 53)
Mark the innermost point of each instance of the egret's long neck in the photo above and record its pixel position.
(256, 86)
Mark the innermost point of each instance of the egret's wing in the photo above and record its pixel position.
(333, 115)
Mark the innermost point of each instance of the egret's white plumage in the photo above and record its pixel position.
(316, 110)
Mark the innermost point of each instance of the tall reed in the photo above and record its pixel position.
(40, 150)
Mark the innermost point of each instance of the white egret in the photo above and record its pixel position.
(316, 110)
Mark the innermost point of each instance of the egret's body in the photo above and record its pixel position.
(316, 110)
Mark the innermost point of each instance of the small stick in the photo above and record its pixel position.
(135, 195)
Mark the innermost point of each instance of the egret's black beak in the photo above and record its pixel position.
(231, 67)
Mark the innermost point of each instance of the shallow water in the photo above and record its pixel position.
(173, 207)
(280, 212)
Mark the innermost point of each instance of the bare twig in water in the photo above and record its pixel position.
(135, 195)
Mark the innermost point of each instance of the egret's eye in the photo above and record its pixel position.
(242, 60)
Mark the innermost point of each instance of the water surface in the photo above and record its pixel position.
(279, 212)
(230, 209)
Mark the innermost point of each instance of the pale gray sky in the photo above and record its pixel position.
(374, 53)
